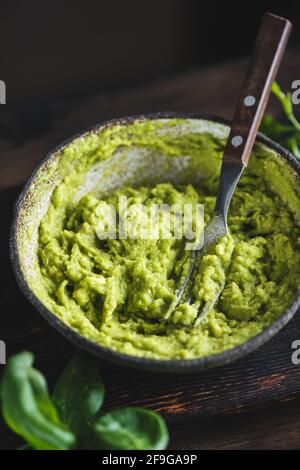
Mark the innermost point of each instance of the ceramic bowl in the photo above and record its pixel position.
(34, 200)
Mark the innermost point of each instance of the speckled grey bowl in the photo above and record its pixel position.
(34, 201)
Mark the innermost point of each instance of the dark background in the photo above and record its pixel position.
(60, 49)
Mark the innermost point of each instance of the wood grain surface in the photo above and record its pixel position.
(253, 403)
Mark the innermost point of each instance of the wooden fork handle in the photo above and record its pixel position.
(269, 48)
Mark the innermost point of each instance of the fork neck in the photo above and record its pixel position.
(229, 177)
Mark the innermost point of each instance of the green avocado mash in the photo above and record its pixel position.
(116, 292)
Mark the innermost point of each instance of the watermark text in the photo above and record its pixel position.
(296, 354)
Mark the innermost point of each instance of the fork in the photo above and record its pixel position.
(268, 52)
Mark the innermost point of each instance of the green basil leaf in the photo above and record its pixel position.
(28, 409)
(129, 429)
(286, 135)
(274, 128)
(293, 144)
(287, 105)
(79, 393)
(40, 389)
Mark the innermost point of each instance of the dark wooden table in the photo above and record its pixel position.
(248, 405)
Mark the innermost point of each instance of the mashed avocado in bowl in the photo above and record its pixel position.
(116, 291)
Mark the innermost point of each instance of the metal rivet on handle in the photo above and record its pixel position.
(249, 100)
(237, 140)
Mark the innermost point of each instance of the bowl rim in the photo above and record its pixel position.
(155, 365)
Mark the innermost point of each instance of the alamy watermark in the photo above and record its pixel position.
(2, 353)
(295, 95)
(296, 353)
(151, 222)
(2, 92)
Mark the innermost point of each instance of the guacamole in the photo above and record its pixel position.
(118, 291)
